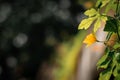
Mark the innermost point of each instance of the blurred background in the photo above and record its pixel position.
(39, 39)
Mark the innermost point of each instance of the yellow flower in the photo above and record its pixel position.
(90, 39)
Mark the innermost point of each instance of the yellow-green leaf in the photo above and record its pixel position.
(97, 24)
(90, 12)
(106, 74)
(85, 23)
(104, 18)
(115, 73)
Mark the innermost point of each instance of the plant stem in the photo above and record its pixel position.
(109, 35)
(118, 36)
(117, 16)
(117, 11)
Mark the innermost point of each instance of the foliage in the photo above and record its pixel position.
(110, 61)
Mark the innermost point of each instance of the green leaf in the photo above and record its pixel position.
(111, 5)
(104, 57)
(117, 77)
(101, 3)
(117, 45)
(115, 73)
(102, 61)
(117, 55)
(106, 74)
(105, 64)
(116, 70)
(85, 23)
(90, 12)
(111, 55)
(106, 60)
(111, 25)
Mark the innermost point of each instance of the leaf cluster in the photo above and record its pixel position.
(110, 61)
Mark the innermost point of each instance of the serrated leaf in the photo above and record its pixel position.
(90, 12)
(85, 23)
(106, 74)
